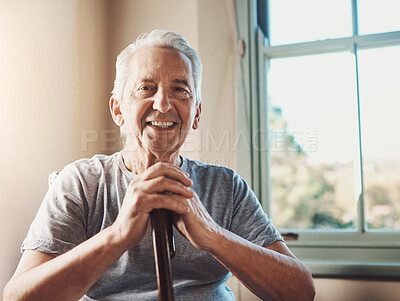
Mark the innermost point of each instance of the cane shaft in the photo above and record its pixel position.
(163, 251)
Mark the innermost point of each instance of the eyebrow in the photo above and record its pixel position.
(147, 80)
(177, 81)
(181, 81)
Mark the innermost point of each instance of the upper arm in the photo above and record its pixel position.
(31, 259)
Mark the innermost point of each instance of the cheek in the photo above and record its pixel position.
(136, 110)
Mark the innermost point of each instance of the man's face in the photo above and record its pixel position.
(158, 105)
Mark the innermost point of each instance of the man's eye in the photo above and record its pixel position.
(179, 89)
(144, 91)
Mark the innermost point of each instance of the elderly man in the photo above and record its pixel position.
(90, 239)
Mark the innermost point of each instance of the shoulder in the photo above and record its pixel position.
(200, 168)
(215, 175)
(88, 168)
(95, 164)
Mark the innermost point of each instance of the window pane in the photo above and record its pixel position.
(293, 21)
(378, 16)
(380, 109)
(313, 141)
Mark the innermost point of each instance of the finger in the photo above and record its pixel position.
(171, 202)
(147, 202)
(163, 184)
(169, 171)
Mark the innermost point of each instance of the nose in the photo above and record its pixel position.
(162, 102)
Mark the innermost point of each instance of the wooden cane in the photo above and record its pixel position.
(164, 251)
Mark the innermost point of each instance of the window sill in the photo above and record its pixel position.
(353, 269)
(351, 254)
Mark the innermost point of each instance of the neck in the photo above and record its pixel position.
(138, 161)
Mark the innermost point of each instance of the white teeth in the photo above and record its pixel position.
(162, 124)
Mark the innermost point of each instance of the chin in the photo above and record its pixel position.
(162, 145)
(161, 148)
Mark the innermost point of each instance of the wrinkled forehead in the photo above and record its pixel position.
(160, 63)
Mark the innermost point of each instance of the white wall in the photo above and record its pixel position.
(217, 47)
(53, 85)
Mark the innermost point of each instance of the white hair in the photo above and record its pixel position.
(162, 39)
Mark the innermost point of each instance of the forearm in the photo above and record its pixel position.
(69, 276)
(268, 274)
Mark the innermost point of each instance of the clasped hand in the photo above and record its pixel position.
(147, 192)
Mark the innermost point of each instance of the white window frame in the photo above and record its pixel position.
(350, 253)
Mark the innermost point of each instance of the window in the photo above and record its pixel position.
(314, 170)
(328, 101)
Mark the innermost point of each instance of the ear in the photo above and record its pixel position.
(115, 109)
(196, 120)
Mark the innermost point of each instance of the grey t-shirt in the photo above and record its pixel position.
(86, 198)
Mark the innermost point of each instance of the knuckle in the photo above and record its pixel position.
(134, 182)
(162, 181)
(158, 165)
(156, 202)
(133, 187)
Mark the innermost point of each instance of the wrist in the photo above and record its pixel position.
(215, 237)
(117, 236)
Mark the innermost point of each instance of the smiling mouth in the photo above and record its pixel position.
(161, 124)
